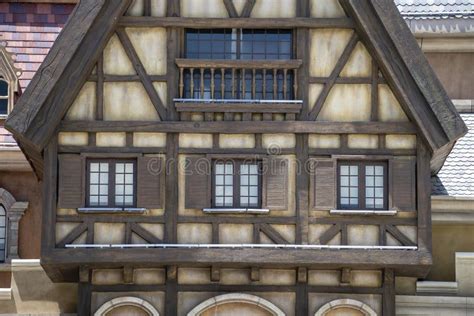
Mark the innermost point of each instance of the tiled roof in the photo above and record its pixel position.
(28, 30)
(456, 178)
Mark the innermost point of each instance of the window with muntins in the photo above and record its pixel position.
(3, 233)
(111, 183)
(237, 184)
(362, 185)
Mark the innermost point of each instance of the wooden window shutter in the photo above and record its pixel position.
(71, 193)
(198, 182)
(150, 182)
(323, 184)
(275, 184)
(403, 183)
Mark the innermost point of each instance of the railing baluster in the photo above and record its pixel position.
(275, 84)
(264, 84)
(233, 83)
(212, 83)
(202, 83)
(222, 83)
(243, 84)
(295, 83)
(254, 86)
(285, 84)
(192, 83)
(181, 82)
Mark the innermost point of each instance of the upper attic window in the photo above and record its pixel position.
(4, 97)
(246, 44)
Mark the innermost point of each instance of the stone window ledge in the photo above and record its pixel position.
(391, 212)
(5, 294)
(236, 211)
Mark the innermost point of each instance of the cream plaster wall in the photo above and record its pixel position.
(347, 103)
(83, 108)
(73, 139)
(326, 9)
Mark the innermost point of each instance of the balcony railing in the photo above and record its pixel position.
(238, 86)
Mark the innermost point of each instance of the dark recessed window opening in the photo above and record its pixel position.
(111, 183)
(236, 184)
(3, 233)
(239, 44)
(362, 186)
(3, 97)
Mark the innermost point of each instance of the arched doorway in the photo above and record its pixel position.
(127, 306)
(345, 307)
(236, 304)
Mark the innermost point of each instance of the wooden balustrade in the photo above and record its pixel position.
(238, 79)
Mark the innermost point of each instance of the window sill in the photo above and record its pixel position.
(391, 212)
(235, 211)
(5, 294)
(110, 210)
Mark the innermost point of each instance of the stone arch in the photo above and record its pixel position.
(126, 301)
(348, 304)
(233, 298)
(13, 212)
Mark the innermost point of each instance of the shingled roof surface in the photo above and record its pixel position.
(456, 178)
(438, 16)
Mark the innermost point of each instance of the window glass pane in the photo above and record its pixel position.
(224, 189)
(374, 183)
(124, 184)
(3, 88)
(249, 188)
(348, 186)
(98, 184)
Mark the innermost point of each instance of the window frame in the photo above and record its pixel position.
(237, 163)
(111, 182)
(6, 97)
(361, 182)
(3, 258)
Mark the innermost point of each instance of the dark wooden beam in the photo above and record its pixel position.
(388, 298)
(50, 181)
(247, 10)
(274, 235)
(398, 235)
(84, 299)
(171, 305)
(73, 235)
(247, 23)
(140, 69)
(250, 127)
(144, 234)
(171, 188)
(423, 196)
(229, 5)
(329, 234)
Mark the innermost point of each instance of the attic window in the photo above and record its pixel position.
(4, 97)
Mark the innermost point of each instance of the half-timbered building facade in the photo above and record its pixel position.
(255, 157)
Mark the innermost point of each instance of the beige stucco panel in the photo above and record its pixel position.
(127, 101)
(83, 108)
(363, 141)
(363, 235)
(136, 8)
(324, 277)
(151, 47)
(73, 138)
(109, 233)
(314, 93)
(316, 231)
(324, 141)
(234, 276)
(195, 140)
(63, 229)
(235, 233)
(274, 9)
(149, 276)
(366, 278)
(107, 276)
(347, 103)
(286, 231)
(400, 141)
(275, 141)
(149, 139)
(390, 109)
(326, 9)
(116, 61)
(277, 277)
(156, 230)
(203, 9)
(359, 63)
(194, 233)
(194, 275)
(158, 8)
(162, 89)
(237, 141)
(327, 46)
(239, 5)
(110, 139)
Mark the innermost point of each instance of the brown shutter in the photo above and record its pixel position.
(275, 184)
(323, 182)
(150, 182)
(403, 183)
(198, 182)
(71, 181)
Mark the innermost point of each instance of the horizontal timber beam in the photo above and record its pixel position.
(405, 262)
(247, 127)
(206, 23)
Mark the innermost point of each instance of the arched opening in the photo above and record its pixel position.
(345, 307)
(236, 305)
(127, 306)
(3, 233)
